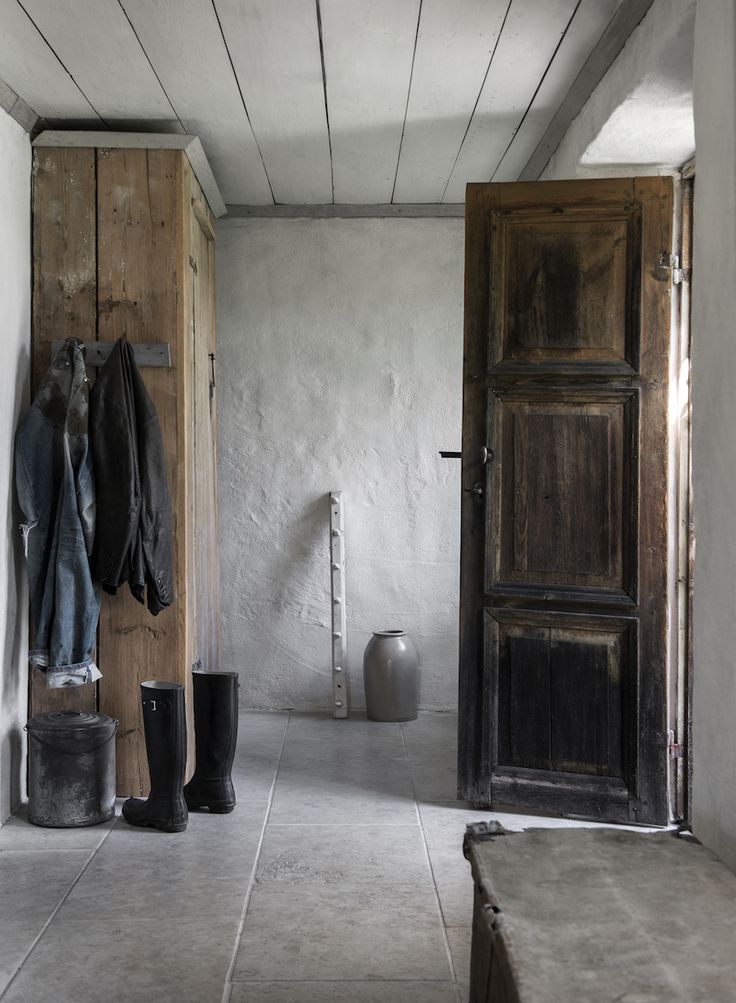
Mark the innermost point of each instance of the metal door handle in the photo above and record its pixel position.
(486, 454)
(477, 489)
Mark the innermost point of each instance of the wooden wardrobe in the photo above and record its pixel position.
(124, 243)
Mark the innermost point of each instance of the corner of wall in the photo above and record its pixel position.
(714, 445)
(15, 295)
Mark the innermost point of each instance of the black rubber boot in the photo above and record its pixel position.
(216, 731)
(164, 723)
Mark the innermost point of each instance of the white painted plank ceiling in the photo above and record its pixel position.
(183, 40)
(450, 66)
(314, 101)
(37, 74)
(369, 48)
(276, 54)
(531, 34)
(96, 43)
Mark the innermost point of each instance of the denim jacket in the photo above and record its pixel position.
(55, 486)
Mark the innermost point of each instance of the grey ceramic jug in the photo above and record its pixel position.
(390, 676)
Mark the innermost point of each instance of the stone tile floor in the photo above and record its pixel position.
(338, 877)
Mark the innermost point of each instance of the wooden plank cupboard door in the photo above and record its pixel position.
(563, 627)
(124, 245)
(205, 563)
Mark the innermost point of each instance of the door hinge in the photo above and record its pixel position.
(676, 749)
(672, 263)
(193, 264)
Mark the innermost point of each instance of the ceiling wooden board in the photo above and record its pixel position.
(454, 47)
(34, 72)
(95, 42)
(368, 50)
(317, 102)
(528, 42)
(276, 54)
(183, 41)
(588, 25)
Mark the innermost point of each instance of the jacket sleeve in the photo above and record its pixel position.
(156, 522)
(113, 446)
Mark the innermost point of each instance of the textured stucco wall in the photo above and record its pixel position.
(340, 367)
(15, 296)
(714, 421)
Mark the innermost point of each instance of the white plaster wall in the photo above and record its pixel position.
(15, 297)
(639, 119)
(714, 421)
(340, 367)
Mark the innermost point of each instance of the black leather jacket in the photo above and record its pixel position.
(133, 536)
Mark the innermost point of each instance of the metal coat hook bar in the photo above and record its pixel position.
(154, 354)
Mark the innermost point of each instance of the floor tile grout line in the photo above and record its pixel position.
(49, 921)
(443, 924)
(228, 987)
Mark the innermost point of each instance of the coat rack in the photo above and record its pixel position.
(156, 354)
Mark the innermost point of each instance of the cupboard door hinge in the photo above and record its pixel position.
(212, 377)
(676, 749)
(671, 262)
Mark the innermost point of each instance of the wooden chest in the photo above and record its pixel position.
(599, 916)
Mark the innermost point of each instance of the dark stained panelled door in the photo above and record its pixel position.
(563, 658)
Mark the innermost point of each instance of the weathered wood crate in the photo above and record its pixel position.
(599, 916)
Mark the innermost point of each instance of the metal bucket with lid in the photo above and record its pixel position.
(71, 768)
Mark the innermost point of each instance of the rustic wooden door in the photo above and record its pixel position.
(563, 661)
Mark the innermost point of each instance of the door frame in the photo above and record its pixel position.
(681, 521)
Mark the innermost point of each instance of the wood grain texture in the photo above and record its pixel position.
(214, 511)
(474, 778)
(564, 287)
(204, 579)
(564, 501)
(577, 503)
(64, 306)
(276, 54)
(139, 291)
(566, 689)
(180, 38)
(367, 91)
(656, 198)
(144, 141)
(449, 67)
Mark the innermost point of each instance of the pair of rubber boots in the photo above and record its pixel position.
(216, 730)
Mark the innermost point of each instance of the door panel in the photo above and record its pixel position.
(563, 670)
(565, 287)
(582, 671)
(563, 495)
